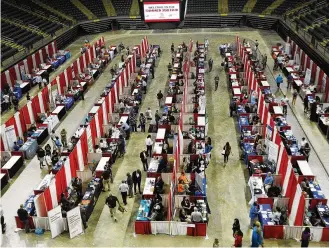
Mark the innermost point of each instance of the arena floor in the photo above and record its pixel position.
(227, 191)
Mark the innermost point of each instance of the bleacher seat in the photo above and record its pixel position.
(66, 7)
(7, 52)
(95, 6)
(122, 7)
(205, 6)
(28, 19)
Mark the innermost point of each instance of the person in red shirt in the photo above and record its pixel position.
(238, 238)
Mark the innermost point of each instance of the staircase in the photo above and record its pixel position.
(90, 15)
(249, 6)
(55, 11)
(19, 23)
(134, 9)
(222, 6)
(109, 8)
(272, 7)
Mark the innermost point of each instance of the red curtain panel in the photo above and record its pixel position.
(325, 234)
(276, 232)
(36, 106)
(84, 146)
(12, 122)
(48, 200)
(143, 227)
(93, 130)
(100, 120)
(300, 212)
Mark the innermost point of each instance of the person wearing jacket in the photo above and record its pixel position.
(238, 235)
(41, 156)
(236, 226)
(130, 185)
(143, 157)
(137, 178)
(253, 214)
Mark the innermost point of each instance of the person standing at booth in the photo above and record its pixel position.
(137, 178)
(253, 214)
(149, 143)
(23, 216)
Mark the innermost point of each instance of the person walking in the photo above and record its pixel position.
(130, 185)
(63, 137)
(157, 118)
(137, 178)
(238, 235)
(15, 103)
(306, 237)
(41, 156)
(124, 188)
(159, 97)
(149, 143)
(133, 121)
(28, 98)
(143, 157)
(59, 145)
(284, 103)
(216, 82)
(294, 97)
(106, 180)
(53, 138)
(210, 63)
(290, 80)
(253, 214)
(279, 80)
(111, 201)
(216, 243)
(3, 224)
(305, 104)
(227, 150)
(23, 216)
(236, 226)
(142, 121)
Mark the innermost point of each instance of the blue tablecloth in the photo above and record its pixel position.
(243, 121)
(18, 92)
(295, 150)
(58, 165)
(241, 109)
(55, 64)
(29, 148)
(262, 219)
(67, 54)
(69, 101)
(249, 150)
(61, 59)
(144, 210)
(315, 190)
(324, 219)
(29, 203)
(267, 91)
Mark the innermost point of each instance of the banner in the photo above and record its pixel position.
(74, 222)
(307, 79)
(56, 222)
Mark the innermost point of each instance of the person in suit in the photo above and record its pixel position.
(143, 157)
(137, 178)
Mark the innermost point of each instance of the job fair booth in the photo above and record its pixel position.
(295, 191)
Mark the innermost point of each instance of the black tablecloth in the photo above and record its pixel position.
(41, 138)
(15, 167)
(4, 181)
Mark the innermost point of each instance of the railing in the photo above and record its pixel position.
(312, 42)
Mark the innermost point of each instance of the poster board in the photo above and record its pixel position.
(307, 79)
(56, 222)
(74, 222)
(11, 136)
(269, 131)
(272, 150)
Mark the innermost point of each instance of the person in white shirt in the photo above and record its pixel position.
(196, 216)
(277, 216)
(98, 149)
(148, 114)
(149, 143)
(123, 188)
(7, 102)
(303, 142)
(103, 145)
(284, 103)
(144, 84)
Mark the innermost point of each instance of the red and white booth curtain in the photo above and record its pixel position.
(316, 72)
(13, 73)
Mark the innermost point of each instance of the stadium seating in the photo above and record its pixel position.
(236, 5)
(95, 6)
(205, 6)
(7, 51)
(288, 5)
(122, 8)
(66, 7)
(28, 19)
(261, 5)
